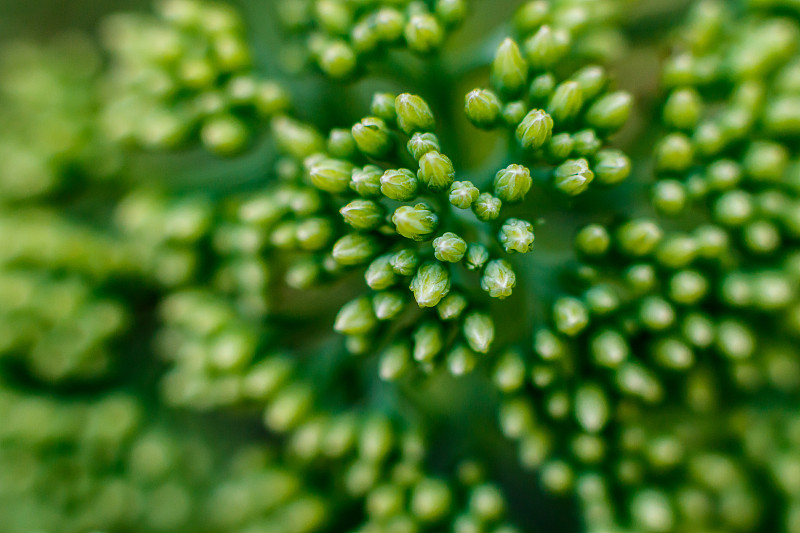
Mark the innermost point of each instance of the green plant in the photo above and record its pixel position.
(394, 266)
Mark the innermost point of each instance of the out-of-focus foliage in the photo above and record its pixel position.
(389, 266)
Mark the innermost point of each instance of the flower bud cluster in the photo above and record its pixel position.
(185, 73)
(342, 37)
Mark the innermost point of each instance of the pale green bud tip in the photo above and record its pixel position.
(367, 181)
(674, 153)
(535, 129)
(436, 171)
(516, 236)
(451, 306)
(498, 279)
(593, 240)
(477, 256)
(354, 249)
(430, 284)
(421, 143)
(610, 112)
(449, 247)
(388, 304)
(639, 237)
(382, 106)
(379, 274)
(509, 69)
(372, 136)
(487, 207)
(512, 183)
(428, 342)
(399, 184)
(591, 408)
(363, 214)
(337, 60)
(573, 176)
(395, 361)
(224, 135)
(565, 102)
(669, 197)
(416, 222)
(413, 113)
(546, 47)
(356, 317)
(430, 500)
(478, 329)
(331, 175)
(611, 166)
(463, 194)
(461, 360)
(423, 33)
(570, 315)
(341, 144)
(482, 107)
(683, 108)
(486, 502)
(405, 262)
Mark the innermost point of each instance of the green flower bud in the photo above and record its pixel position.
(477, 256)
(531, 15)
(509, 69)
(388, 304)
(224, 134)
(389, 24)
(570, 315)
(395, 361)
(636, 380)
(565, 102)
(541, 88)
(516, 236)
(512, 183)
(364, 37)
(341, 144)
(735, 340)
(382, 106)
(640, 278)
(288, 408)
(478, 329)
(487, 207)
(611, 166)
(379, 274)
(413, 113)
(367, 181)
(363, 214)
(591, 408)
(766, 161)
(592, 80)
(399, 184)
(331, 175)
(610, 112)
(734, 208)
(687, 287)
(669, 197)
(436, 171)
(723, 174)
(463, 194)
(708, 138)
(314, 233)
(674, 153)
(430, 284)
(269, 98)
(560, 146)
(430, 500)
(698, 330)
(656, 314)
(638, 237)
(486, 502)
(509, 374)
(461, 360)
(338, 60)
(592, 240)
(498, 279)
(535, 129)
(421, 144)
(482, 107)
(547, 345)
(586, 143)
(601, 299)
(711, 241)
(354, 249)
(449, 248)
(302, 274)
(451, 306)
(546, 47)
(423, 33)
(609, 348)
(372, 136)
(428, 341)
(416, 223)
(683, 109)
(405, 262)
(573, 176)
(333, 15)
(761, 237)
(356, 317)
